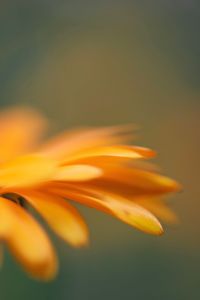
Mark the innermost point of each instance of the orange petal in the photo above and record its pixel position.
(63, 218)
(119, 207)
(77, 173)
(133, 214)
(130, 152)
(139, 217)
(76, 141)
(26, 171)
(147, 184)
(27, 241)
(21, 130)
(142, 180)
(144, 152)
(159, 208)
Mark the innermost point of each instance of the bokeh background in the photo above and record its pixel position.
(104, 63)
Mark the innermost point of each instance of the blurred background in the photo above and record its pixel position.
(104, 63)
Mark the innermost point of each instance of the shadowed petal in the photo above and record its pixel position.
(137, 179)
(27, 241)
(62, 217)
(130, 184)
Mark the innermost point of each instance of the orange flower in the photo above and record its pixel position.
(95, 167)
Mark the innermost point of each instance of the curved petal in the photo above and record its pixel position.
(21, 129)
(130, 152)
(26, 171)
(27, 241)
(159, 208)
(121, 208)
(63, 218)
(142, 179)
(133, 182)
(80, 140)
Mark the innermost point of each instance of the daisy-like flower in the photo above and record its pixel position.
(95, 167)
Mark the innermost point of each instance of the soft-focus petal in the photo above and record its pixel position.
(142, 180)
(125, 210)
(159, 208)
(27, 241)
(129, 186)
(62, 217)
(133, 214)
(130, 152)
(77, 173)
(26, 171)
(76, 141)
(20, 131)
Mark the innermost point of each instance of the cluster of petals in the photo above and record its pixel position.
(96, 167)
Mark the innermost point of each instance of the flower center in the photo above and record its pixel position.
(15, 198)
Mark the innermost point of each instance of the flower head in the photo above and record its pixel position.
(92, 166)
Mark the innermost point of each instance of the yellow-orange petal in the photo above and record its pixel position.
(130, 152)
(79, 140)
(141, 179)
(133, 214)
(144, 152)
(27, 241)
(121, 208)
(62, 217)
(138, 217)
(26, 171)
(21, 129)
(159, 208)
(77, 173)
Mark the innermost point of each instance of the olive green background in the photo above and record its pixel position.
(104, 63)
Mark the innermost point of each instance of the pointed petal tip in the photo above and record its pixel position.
(160, 231)
(155, 228)
(84, 243)
(171, 185)
(137, 216)
(145, 152)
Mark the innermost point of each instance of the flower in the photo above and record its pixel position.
(92, 166)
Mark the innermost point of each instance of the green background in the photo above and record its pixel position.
(104, 63)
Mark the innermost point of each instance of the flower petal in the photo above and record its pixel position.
(63, 218)
(130, 152)
(159, 208)
(26, 171)
(77, 173)
(27, 241)
(76, 141)
(121, 208)
(139, 180)
(131, 183)
(133, 214)
(21, 129)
